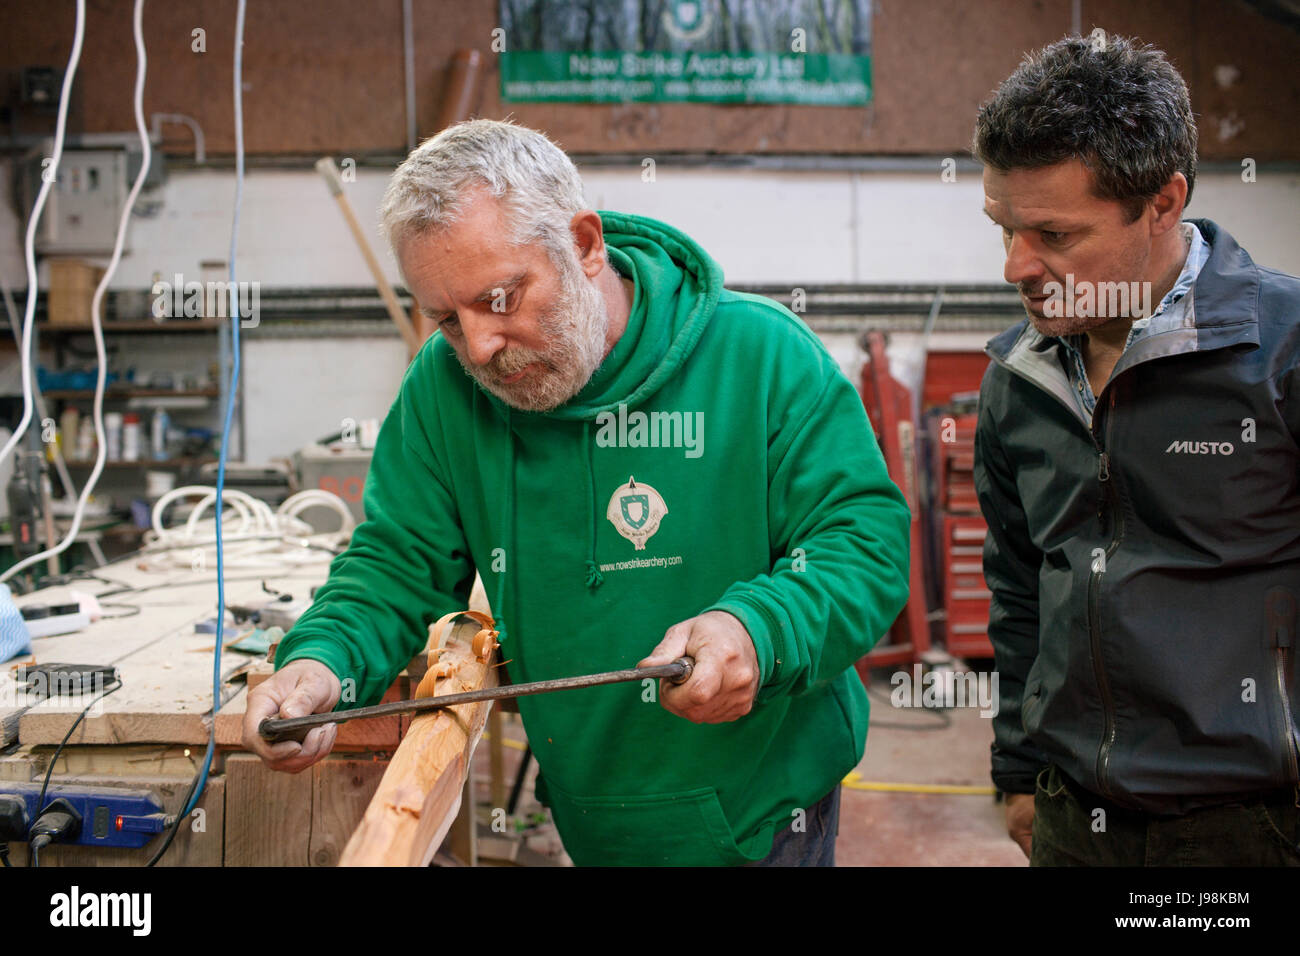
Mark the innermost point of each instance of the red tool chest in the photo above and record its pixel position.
(947, 582)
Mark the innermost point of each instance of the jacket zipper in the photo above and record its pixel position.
(1292, 738)
(1094, 588)
(1094, 584)
(1280, 625)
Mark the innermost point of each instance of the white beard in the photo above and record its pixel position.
(576, 326)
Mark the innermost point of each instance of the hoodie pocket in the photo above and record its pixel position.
(687, 828)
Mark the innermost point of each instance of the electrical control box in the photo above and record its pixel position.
(85, 202)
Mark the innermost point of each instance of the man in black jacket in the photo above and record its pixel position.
(1138, 463)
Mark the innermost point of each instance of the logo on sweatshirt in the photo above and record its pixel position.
(635, 512)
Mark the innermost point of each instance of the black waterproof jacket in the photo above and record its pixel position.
(1146, 570)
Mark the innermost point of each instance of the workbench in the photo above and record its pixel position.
(152, 733)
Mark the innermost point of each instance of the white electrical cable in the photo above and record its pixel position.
(243, 513)
(247, 509)
(312, 497)
(259, 537)
(97, 303)
(48, 175)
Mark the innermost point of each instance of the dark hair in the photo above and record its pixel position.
(1117, 106)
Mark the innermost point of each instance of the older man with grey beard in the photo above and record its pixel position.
(775, 559)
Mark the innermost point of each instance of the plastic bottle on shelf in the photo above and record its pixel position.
(132, 434)
(68, 423)
(113, 435)
(158, 433)
(85, 440)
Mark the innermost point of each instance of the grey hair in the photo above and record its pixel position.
(1114, 104)
(533, 178)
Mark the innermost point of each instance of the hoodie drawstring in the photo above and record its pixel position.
(508, 521)
(594, 578)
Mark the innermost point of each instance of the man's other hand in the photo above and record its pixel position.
(725, 680)
(299, 688)
(1020, 819)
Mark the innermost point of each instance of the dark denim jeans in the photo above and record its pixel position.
(815, 845)
(1264, 831)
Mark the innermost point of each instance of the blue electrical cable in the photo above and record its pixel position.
(230, 410)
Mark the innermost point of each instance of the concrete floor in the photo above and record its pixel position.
(878, 826)
(882, 828)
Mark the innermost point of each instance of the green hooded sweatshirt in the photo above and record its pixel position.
(717, 460)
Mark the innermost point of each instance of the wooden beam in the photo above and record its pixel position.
(420, 792)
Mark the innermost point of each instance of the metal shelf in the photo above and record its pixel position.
(146, 463)
(71, 393)
(146, 325)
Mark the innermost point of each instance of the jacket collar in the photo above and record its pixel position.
(1226, 293)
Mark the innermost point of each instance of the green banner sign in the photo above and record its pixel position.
(814, 52)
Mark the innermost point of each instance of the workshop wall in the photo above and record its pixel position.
(761, 225)
(327, 76)
(828, 227)
(300, 389)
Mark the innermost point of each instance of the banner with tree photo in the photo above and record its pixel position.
(812, 52)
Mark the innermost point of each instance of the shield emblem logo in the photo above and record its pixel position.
(642, 505)
(687, 14)
(687, 19)
(635, 511)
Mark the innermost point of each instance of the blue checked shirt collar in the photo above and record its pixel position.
(1077, 370)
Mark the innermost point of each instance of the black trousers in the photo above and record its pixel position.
(1074, 827)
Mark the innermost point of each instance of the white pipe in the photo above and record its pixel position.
(200, 151)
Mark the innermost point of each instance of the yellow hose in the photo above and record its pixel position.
(854, 781)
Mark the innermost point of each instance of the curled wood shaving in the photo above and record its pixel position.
(431, 677)
(483, 619)
(485, 642)
(439, 633)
